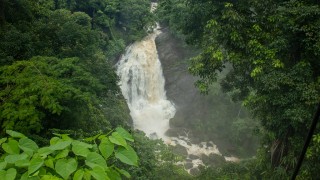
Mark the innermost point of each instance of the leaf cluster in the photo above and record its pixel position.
(273, 49)
(66, 158)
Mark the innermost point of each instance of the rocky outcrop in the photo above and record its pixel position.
(205, 118)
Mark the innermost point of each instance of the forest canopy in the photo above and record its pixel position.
(273, 47)
(57, 78)
(57, 60)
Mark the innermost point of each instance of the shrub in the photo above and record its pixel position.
(66, 158)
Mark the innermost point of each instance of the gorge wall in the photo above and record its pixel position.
(200, 117)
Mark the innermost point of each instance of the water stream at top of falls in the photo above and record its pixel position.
(143, 85)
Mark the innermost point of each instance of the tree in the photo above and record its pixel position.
(46, 92)
(273, 47)
(87, 88)
(135, 18)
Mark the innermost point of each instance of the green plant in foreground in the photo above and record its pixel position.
(66, 158)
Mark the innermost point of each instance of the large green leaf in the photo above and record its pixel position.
(86, 145)
(128, 156)
(116, 138)
(49, 163)
(12, 158)
(10, 174)
(124, 134)
(89, 139)
(64, 153)
(87, 175)
(66, 137)
(26, 177)
(124, 172)
(15, 134)
(60, 145)
(28, 146)
(2, 140)
(99, 173)
(22, 163)
(35, 164)
(3, 174)
(42, 171)
(63, 136)
(54, 140)
(113, 174)
(45, 151)
(80, 148)
(3, 165)
(50, 177)
(66, 167)
(106, 147)
(12, 147)
(78, 175)
(94, 159)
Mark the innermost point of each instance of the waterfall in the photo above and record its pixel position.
(142, 84)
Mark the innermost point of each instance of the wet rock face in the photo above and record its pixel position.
(175, 132)
(188, 165)
(191, 156)
(213, 160)
(191, 106)
(205, 118)
(174, 55)
(195, 171)
(180, 150)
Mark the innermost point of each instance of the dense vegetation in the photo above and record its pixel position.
(57, 76)
(56, 62)
(274, 49)
(66, 157)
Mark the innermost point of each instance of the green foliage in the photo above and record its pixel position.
(236, 171)
(56, 76)
(55, 59)
(135, 18)
(86, 83)
(64, 158)
(184, 18)
(156, 159)
(272, 47)
(66, 35)
(38, 92)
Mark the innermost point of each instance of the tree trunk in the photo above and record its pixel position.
(277, 152)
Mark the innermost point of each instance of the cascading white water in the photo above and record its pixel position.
(142, 84)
